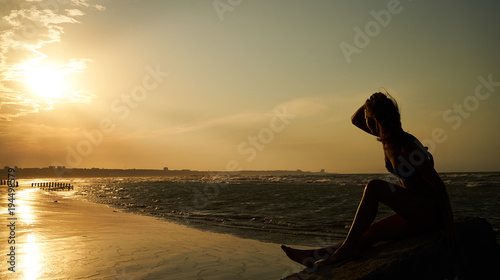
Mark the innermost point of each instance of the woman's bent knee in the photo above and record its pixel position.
(379, 188)
(374, 186)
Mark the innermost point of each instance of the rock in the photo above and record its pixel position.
(422, 257)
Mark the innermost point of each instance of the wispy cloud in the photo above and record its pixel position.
(26, 27)
(245, 122)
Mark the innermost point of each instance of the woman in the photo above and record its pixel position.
(420, 201)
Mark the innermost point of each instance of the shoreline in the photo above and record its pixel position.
(58, 237)
(59, 172)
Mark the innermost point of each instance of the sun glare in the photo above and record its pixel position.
(46, 82)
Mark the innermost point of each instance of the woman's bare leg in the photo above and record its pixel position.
(389, 228)
(411, 207)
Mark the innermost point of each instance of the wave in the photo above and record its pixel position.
(288, 209)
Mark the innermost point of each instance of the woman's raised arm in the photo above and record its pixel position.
(359, 120)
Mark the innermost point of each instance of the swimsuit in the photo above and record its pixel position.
(407, 170)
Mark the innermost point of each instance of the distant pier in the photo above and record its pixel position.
(53, 186)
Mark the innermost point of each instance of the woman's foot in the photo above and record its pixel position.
(341, 256)
(309, 257)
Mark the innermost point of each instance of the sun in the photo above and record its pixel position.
(47, 82)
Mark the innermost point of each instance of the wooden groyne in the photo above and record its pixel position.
(53, 186)
(6, 182)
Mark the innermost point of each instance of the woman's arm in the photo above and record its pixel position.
(447, 234)
(430, 175)
(359, 120)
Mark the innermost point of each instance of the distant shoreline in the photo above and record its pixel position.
(62, 172)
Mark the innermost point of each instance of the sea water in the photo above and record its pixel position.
(311, 210)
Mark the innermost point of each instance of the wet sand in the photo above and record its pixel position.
(58, 237)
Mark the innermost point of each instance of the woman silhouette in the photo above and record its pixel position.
(420, 201)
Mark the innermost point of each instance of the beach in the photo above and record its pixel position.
(58, 237)
(194, 227)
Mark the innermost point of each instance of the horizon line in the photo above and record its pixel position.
(165, 169)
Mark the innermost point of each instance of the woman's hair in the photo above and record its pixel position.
(384, 109)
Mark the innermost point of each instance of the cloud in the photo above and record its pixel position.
(246, 122)
(84, 3)
(26, 27)
(14, 105)
(306, 106)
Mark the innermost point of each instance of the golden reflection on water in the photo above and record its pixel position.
(30, 255)
(26, 216)
(31, 265)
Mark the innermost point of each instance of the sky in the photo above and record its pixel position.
(244, 84)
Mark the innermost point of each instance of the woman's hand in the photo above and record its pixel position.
(359, 120)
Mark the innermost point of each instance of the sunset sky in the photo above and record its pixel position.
(261, 85)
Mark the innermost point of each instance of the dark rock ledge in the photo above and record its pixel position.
(422, 257)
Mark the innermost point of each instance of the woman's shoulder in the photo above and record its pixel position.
(414, 150)
(411, 143)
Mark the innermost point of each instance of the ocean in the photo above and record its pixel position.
(312, 210)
